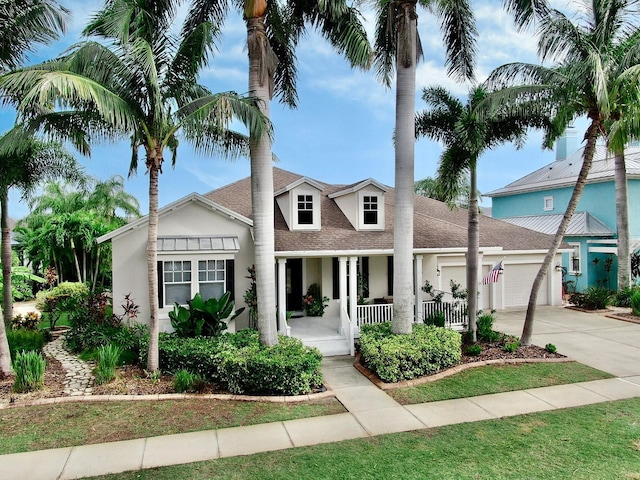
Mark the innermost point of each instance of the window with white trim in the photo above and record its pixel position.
(574, 258)
(305, 209)
(548, 204)
(370, 209)
(179, 280)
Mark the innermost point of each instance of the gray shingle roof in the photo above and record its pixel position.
(435, 225)
(582, 224)
(565, 171)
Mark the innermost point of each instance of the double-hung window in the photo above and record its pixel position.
(574, 259)
(211, 278)
(370, 209)
(305, 209)
(177, 281)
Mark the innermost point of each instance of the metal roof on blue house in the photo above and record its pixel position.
(563, 172)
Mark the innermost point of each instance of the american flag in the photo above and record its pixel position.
(492, 276)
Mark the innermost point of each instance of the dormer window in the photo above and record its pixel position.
(305, 209)
(370, 209)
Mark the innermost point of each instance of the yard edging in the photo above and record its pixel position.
(373, 378)
(173, 396)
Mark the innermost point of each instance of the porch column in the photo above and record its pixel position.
(282, 296)
(418, 289)
(342, 270)
(353, 287)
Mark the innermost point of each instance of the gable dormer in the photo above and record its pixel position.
(299, 203)
(363, 204)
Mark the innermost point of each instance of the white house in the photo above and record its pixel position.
(326, 234)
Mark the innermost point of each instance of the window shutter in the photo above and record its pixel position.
(230, 275)
(160, 286)
(390, 276)
(365, 277)
(336, 278)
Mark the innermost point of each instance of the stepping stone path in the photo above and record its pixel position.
(79, 379)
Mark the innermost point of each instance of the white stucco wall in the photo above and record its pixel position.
(192, 219)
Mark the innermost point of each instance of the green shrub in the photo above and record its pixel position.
(402, 357)
(484, 326)
(207, 318)
(288, 368)
(76, 290)
(593, 298)
(551, 348)
(241, 363)
(313, 302)
(185, 381)
(29, 368)
(25, 340)
(511, 346)
(437, 318)
(474, 350)
(622, 297)
(635, 303)
(108, 357)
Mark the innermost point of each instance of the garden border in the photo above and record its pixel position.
(373, 378)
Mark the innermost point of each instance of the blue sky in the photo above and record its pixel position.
(341, 132)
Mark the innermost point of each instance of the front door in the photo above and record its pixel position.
(294, 284)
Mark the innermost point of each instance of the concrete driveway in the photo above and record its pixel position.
(590, 338)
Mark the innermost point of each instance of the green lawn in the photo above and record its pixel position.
(51, 426)
(497, 379)
(599, 441)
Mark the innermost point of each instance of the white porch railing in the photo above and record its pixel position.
(377, 313)
(454, 313)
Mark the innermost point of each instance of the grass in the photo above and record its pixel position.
(497, 379)
(599, 441)
(69, 424)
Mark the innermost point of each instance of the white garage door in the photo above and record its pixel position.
(459, 275)
(518, 280)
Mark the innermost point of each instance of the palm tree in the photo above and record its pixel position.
(397, 44)
(25, 25)
(273, 31)
(585, 52)
(144, 86)
(466, 135)
(24, 163)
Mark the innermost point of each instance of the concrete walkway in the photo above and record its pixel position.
(592, 339)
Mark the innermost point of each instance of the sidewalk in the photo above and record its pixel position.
(370, 412)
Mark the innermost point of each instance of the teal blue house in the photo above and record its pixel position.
(538, 201)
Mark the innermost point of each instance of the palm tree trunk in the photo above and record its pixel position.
(7, 260)
(589, 151)
(5, 354)
(622, 222)
(75, 260)
(260, 78)
(473, 250)
(154, 164)
(403, 315)
(96, 269)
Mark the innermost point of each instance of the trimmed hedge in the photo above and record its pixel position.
(241, 363)
(393, 358)
(75, 290)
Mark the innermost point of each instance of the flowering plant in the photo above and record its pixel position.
(313, 302)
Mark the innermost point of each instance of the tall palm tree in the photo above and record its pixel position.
(397, 44)
(273, 31)
(142, 85)
(466, 133)
(25, 26)
(586, 64)
(25, 162)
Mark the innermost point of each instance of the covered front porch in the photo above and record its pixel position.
(327, 334)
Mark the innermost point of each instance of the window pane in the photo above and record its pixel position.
(220, 264)
(211, 290)
(186, 266)
(220, 275)
(202, 265)
(180, 293)
(186, 277)
(370, 217)
(202, 276)
(168, 277)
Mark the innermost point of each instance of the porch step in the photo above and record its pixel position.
(329, 347)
